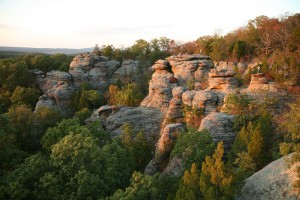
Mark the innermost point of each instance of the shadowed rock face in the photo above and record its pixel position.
(272, 182)
(142, 118)
(220, 126)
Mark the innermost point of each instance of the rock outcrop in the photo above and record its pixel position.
(45, 101)
(164, 146)
(222, 80)
(272, 182)
(97, 71)
(220, 126)
(143, 119)
(127, 72)
(172, 72)
(259, 82)
(177, 81)
(204, 99)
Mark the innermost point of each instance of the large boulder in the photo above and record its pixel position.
(52, 78)
(164, 145)
(127, 72)
(222, 80)
(45, 101)
(275, 181)
(62, 95)
(190, 67)
(220, 127)
(141, 118)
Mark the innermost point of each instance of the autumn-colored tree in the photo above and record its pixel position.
(189, 185)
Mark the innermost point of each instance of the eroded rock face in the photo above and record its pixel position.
(62, 94)
(160, 89)
(222, 80)
(173, 72)
(127, 72)
(52, 78)
(141, 118)
(168, 138)
(164, 145)
(259, 82)
(220, 127)
(175, 167)
(204, 99)
(272, 182)
(96, 70)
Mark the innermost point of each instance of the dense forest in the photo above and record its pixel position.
(48, 154)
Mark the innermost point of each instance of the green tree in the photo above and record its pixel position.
(189, 186)
(22, 182)
(107, 50)
(216, 179)
(218, 52)
(27, 96)
(142, 187)
(193, 146)
(5, 102)
(21, 120)
(138, 146)
(43, 63)
(129, 95)
(83, 114)
(65, 127)
(291, 143)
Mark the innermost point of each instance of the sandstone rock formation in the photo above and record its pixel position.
(45, 101)
(220, 126)
(259, 82)
(272, 182)
(61, 94)
(175, 167)
(204, 99)
(222, 80)
(127, 72)
(164, 146)
(172, 72)
(168, 138)
(176, 83)
(98, 71)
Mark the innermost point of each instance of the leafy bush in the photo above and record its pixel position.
(128, 95)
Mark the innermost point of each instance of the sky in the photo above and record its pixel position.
(84, 23)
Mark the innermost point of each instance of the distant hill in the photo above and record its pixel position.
(20, 50)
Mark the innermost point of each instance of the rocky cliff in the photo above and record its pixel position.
(177, 86)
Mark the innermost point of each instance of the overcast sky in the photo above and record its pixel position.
(84, 23)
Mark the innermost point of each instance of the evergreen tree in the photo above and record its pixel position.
(189, 186)
(216, 180)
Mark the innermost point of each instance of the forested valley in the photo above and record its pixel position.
(50, 153)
